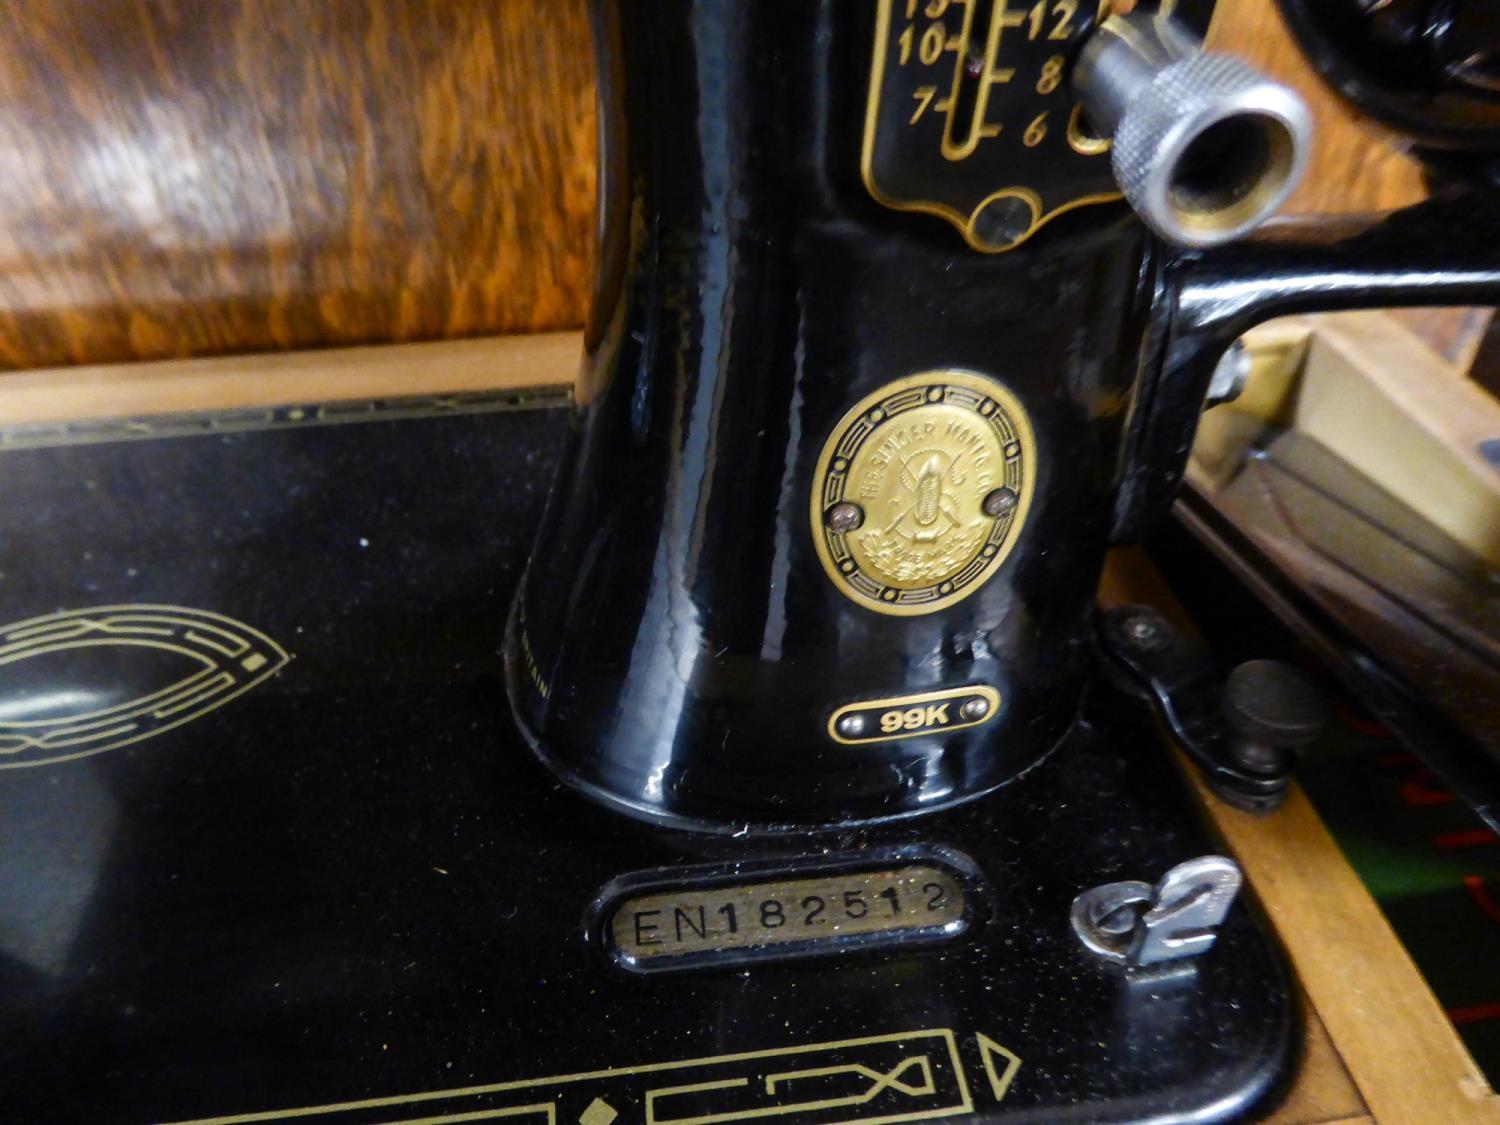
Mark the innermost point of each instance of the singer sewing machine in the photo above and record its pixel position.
(780, 764)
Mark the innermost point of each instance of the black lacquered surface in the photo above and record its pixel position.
(353, 881)
(1443, 251)
(754, 288)
(686, 646)
(1426, 69)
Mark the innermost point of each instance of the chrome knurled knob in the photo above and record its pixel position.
(1205, 147)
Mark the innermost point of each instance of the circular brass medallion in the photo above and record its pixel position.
(921, 491)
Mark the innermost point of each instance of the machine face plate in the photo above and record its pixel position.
(353, 895)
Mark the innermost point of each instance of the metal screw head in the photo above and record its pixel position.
(1000, 502)
(1490, 451)
(844, 516)
(1142, 629)
(852, 726)
(1230, 376)
(1004, 221)
(974, 709)
(1117, 920)
(1104, 918)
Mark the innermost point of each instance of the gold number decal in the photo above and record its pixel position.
(1065, 10)
(905, 41)
(915, 718)
(931, 47)
(935, 9)
(923, 94)
(1036, 132)
(1052, 72)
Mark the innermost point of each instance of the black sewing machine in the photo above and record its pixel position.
(800, 780)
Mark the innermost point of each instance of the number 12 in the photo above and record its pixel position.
(1064, 10)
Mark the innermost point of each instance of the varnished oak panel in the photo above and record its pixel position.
(222, 384)
(206, 176)
(1356, 166)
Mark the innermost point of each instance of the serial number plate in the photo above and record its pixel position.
(815, 914)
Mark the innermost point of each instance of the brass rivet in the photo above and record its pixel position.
(844, 517)
(851, 726)
(1000, 502)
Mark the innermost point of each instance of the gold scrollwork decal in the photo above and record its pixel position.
(69, 713)
(875, 1080)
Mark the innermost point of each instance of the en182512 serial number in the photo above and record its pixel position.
(824, 910)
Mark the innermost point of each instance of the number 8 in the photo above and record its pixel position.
(1052, 72)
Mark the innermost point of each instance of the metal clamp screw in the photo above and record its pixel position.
(1136, 924)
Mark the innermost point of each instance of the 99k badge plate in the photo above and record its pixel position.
(922, 490)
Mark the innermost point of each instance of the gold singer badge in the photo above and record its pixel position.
(922, 490)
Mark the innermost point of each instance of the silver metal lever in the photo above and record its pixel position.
(1139, 925)
(1206, 149)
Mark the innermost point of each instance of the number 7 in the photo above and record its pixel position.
(924, 96)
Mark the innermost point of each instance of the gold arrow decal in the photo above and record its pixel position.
(999, 1064)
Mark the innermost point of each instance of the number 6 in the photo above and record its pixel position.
(1036, 132)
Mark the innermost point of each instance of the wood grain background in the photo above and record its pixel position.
(200, 177)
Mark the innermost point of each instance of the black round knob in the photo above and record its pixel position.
(1273, 704)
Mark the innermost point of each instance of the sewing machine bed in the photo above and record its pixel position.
(271, 848)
